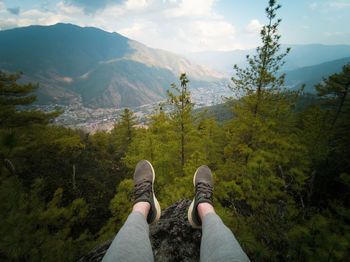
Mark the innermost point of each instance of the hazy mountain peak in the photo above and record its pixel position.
(171, 61)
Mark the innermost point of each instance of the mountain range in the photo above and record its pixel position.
(312, 75)
(298, 57)
(107, 70)
(305, 64)
(99, 68)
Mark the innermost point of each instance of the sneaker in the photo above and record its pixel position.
(204, 185)
(143, 189)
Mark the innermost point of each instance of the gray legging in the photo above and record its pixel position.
(132, 241)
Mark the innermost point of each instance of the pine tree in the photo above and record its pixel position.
(336, 90)
(260, 85)
(123, 133)
(211, 140)
(260, 78)
(326, 133)
(34, 230)
(13, 117)
(265, 168)
(159, 144)
(181, 117)
(13, 95)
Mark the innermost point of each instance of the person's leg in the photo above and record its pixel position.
(218, 242)
(132, 241)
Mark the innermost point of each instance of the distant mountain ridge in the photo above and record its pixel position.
(312, 75)
(99, 68)
(299, 56)
(107, 70)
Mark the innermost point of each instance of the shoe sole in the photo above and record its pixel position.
(156, 203)
(190, 209)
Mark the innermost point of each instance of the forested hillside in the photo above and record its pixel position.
(282, 174)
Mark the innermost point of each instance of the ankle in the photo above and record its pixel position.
(142, 207)
(204, 209)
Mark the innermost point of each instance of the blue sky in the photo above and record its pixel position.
(189, 25)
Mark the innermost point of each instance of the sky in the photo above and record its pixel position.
(183, 26)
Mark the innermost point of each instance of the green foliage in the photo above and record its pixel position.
(265, 169)
(33, 230)
(181, 117)
(37, 162)
(336, 90)
(322, 237)
(120, 207)
(281, 175)
(123, 133)
(13, 94)
(176, 145)
(325, 132)
(221, 112)
(260, 77)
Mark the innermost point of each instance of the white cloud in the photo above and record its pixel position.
(184, 36)
(134, 31)
(53, 19)
(169, 24)
(7, 23)
(37, 17)
(25, 22)
(2, 8)
(339, 4)
(212, 29)
(313, 5)
(136, 4)
(193, 8)
(35, 13)
(71, 9)
(210, 35)
(254, 26)
(332, 34)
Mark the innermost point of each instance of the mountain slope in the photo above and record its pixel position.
(100, 68)
(312, 75)
(68, 49)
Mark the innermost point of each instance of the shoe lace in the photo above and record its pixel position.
(144, 186)
(205, 189)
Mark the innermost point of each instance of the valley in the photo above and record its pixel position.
(77, 116)
(92, 75)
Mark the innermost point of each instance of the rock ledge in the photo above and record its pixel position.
(172, 238)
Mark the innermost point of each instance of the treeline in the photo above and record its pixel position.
(282, 172)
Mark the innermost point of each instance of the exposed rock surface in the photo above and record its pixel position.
(172, 238)
(97, 253)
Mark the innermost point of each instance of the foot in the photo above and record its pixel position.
(143, 189)
(204, 185)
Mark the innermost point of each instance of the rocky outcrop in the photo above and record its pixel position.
(97, 253)
(172, 238)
